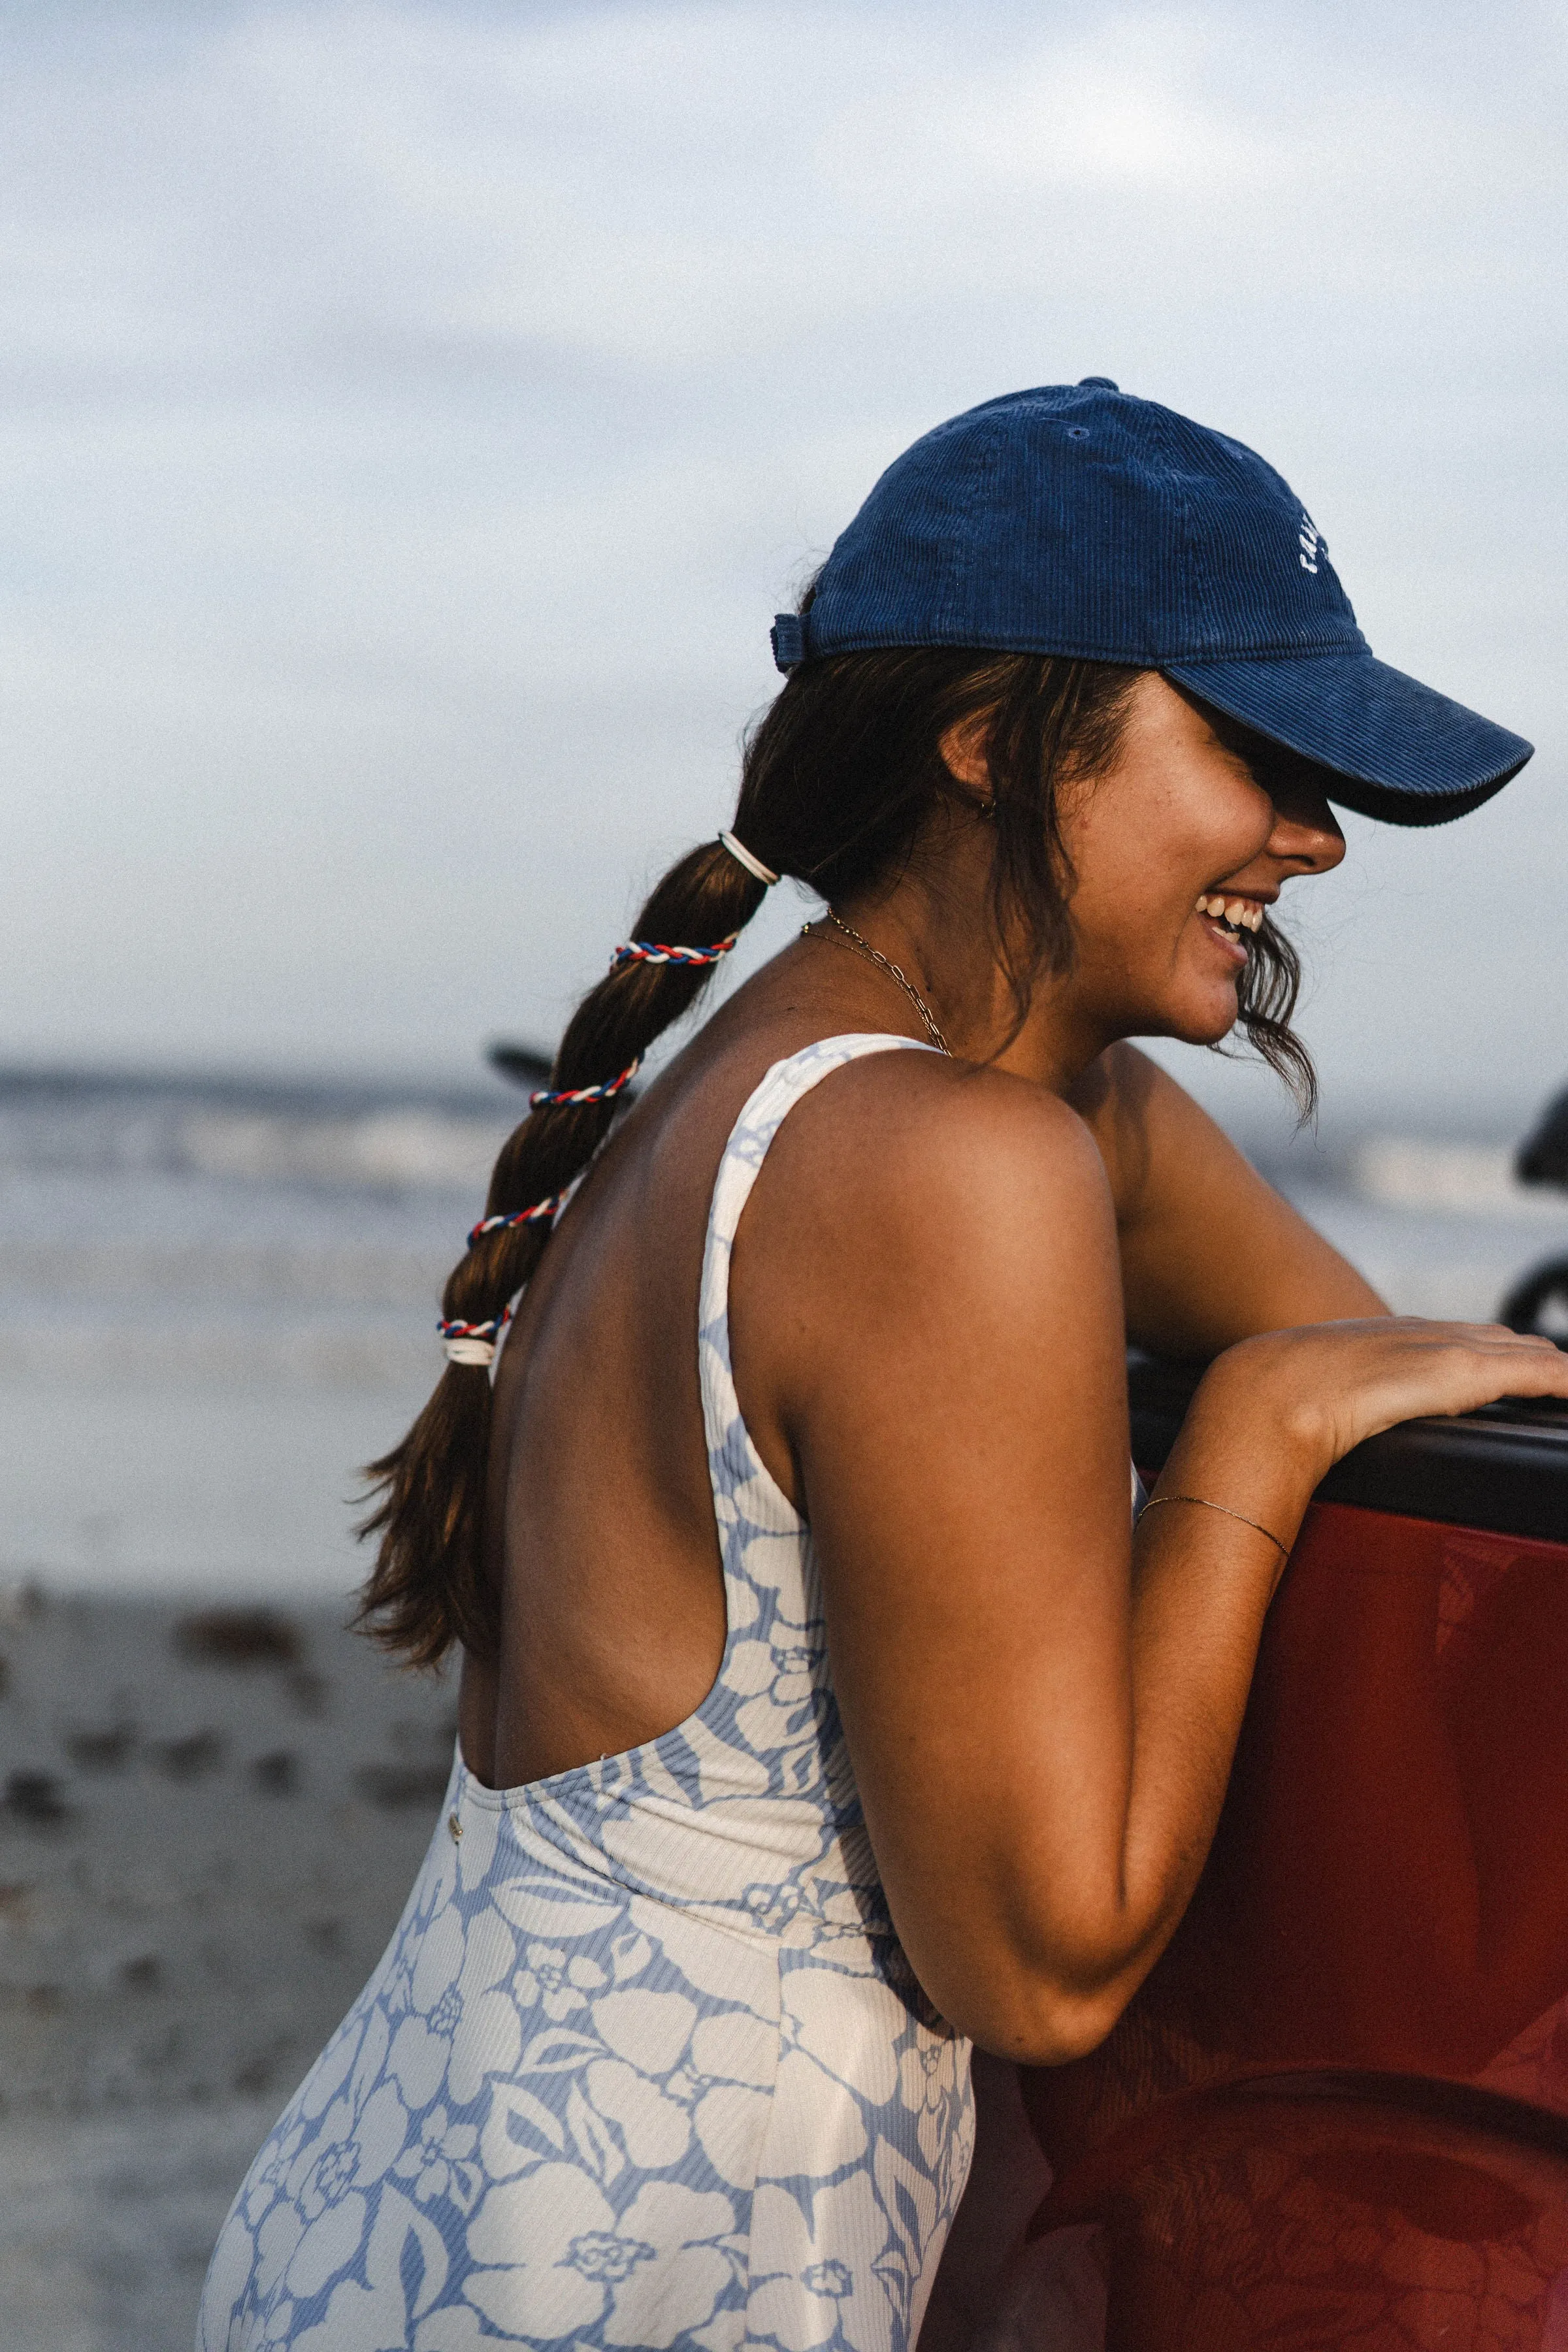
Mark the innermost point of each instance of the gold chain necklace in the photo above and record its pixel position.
(855, 945)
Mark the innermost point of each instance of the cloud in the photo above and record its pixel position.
(412, 415)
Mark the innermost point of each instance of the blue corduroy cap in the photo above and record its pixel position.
(1077, 520)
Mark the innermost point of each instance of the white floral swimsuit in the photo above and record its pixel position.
(643, 2064)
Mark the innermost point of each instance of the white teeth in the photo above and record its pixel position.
(1238, 912)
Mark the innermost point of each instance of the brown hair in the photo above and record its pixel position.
(838, 779)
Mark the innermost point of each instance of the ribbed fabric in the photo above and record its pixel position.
(1078, 521)
(643, 2064)
(1396, 746)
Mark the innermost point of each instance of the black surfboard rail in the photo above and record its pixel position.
(1504, 1468)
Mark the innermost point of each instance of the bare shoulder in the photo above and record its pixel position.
(930, 1176)
(929, 1257)
(917, 1132)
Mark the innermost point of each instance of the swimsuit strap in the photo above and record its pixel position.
(732, 1458)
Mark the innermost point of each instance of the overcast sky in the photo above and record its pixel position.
(413, 416)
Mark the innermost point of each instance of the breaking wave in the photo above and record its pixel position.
(380, 1139)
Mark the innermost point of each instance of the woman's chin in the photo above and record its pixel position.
(1205, 1020)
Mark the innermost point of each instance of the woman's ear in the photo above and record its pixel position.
(963, 754)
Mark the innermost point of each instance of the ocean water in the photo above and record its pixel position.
(217, 1299)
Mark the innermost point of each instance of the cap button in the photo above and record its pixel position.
(1097, 384)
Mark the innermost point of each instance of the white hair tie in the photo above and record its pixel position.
(738, 849)
(470, 1351)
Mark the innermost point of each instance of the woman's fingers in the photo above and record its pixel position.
(1445, 1368)
(1331, 1385)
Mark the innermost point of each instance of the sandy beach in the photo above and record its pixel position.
(210, 1822)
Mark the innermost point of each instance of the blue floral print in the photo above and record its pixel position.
(643, 2064)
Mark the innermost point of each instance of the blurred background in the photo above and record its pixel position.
(412, 417)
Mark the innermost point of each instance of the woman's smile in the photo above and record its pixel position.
(1228, 916)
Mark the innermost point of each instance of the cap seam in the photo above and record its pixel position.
(961, 566)
(1013, 641)
(1191, 575)
(1338, 651)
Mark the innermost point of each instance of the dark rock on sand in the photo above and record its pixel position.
(202, 1864)
(105, 1750)
(238, 1637)
(190, 1759)
(277, 1775)
(35, 1800)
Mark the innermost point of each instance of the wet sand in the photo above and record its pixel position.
(209, 1823)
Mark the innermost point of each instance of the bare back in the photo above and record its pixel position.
(599, 1520)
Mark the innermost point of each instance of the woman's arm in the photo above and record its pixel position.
(1041, 1710)
(1210, 1252)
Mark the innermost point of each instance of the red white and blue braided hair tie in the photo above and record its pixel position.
(657, 951)
(611, 1087)
(476, 1343)
(538, 1214)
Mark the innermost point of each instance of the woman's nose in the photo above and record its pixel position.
(1308, 839)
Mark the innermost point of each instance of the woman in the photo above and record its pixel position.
(671, 2046)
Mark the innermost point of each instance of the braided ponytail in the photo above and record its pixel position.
(427, 1588)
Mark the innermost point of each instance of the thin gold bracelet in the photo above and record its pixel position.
(1205, 1505)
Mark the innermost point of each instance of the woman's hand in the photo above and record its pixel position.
(1320, 1391)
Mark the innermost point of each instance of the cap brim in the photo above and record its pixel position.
(1398, 751)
